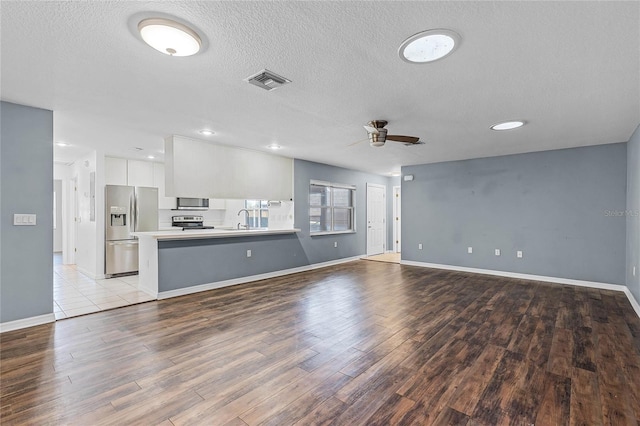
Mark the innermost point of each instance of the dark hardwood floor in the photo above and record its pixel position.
(362, 343)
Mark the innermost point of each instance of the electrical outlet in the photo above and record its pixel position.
(519, 254)
(420, 246)
(335, 244)
(497, 251)
(248, 253)
(469, 250)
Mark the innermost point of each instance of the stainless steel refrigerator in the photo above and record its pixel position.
(128, 209)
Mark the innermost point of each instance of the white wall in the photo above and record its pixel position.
(58, 224)
(90, 234)
(62, 172)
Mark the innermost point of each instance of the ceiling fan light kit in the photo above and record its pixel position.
(508, 125)
(378, 135)
(429, 46)
(169, 37)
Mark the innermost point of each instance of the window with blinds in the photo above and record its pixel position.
(331, 208)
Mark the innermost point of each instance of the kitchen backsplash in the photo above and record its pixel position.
(279, 216)
(211, 217)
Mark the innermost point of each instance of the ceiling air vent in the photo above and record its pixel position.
(267, 80)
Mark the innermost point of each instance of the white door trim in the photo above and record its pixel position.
(397, 223)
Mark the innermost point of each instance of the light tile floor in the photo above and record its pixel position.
(76, 294)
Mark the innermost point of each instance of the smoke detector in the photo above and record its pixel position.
(267, 80)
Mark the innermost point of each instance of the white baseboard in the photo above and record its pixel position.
(242, 280)
(580, 283)
(90, 274)
(27, 322)
(632, 300)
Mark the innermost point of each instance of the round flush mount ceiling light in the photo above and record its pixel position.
(207, 132)
(429, 46)
(508, 125)
(274, 146)
(169, 37)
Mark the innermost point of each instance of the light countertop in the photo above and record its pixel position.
(211, 233)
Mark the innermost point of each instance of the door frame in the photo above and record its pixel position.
(384, 217)
(397, 222)
(71, 222)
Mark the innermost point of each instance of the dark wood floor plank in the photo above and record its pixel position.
(392, 411)
(561, 353)
(584, 391)
(314, 381)
(497, 395)
(470, 390)
(323, 414)
(614, 395)
(555, 405)
(363, 343)
(451, 417)
(306, 404)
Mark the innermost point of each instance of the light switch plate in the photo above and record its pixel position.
(248, 253)
(469, 250)
(519, 254)
(497, 251)
(420, 246)
(23, 219)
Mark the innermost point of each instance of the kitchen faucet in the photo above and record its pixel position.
(247, 225)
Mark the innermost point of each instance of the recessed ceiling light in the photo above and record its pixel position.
(508, 125)
(62, 144)
(169, 37)
(395, 174)
(428, 46)
(274, 146)
(207, 132)
(150, 157)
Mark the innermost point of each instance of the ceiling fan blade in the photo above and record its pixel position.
(357, 142)
(371, 130)
(403, 139)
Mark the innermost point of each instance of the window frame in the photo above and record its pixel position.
(259, 211)
(331, 207)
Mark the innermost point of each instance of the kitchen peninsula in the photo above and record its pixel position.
(173, 263)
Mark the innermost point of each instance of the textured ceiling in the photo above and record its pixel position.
(571, 69)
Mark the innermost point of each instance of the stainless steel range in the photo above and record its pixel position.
(189, 222)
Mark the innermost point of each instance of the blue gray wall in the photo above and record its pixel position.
(26, 186)
(552, 205)
(320, 248)
(186, 263)
(633, 213)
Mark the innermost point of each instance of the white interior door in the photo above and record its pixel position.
(396, 219)
(376, 219)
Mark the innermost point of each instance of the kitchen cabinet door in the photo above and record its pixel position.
(115, 171)
(139, 173)
(164, 202)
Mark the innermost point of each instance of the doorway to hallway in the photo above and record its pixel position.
(376, 219)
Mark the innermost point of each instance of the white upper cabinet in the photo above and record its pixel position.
(203, 170)
(164, 202)
(115, 171)
(139, 173)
